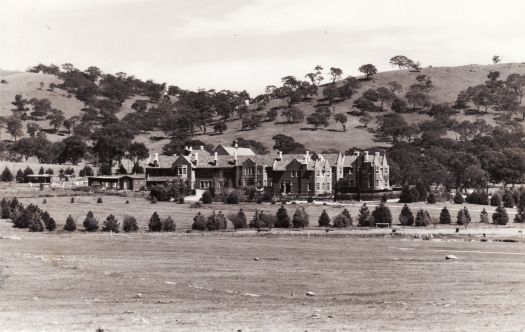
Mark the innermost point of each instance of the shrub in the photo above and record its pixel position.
(90, 223)
(268, 220)
(155, 224)
(70, 224)
(363, 218)
(129, 224)
(283, 220)
(347, 214)
(44, 201)
(168, 225)
(444, 216)
(49, 222)
(508, 200)
(35, 225)
(406, 217)
(111, 224)
(238, 220)
(520, 214)
(216, 221)
(382, 214)
(195, 205)
(5, 210)
(22, 219)
(72, 200)
(500, 217)
(232, 198)
(495, 200)
(463, 217)
(199, 222)
(384, 198)
(127, 202)
(484, 216)
(20, 176)
(409, 195)
(6, 176)
(153, 200)
(256, 221)
(343, 219)
(458, 198)
(422, 218)
(478, 197)
(99, 200)
(324, 219)
(267, 196)
(309, 199)
(431, 198)
(300, 218)
(86, 171)
(207, 198)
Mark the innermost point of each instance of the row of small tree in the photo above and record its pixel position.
(22, 175)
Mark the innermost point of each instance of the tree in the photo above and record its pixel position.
(272, 114)
(220, 127)
(6, 176)
(90, 222)
(369, 70)
(406, 217)
(496, 59)
(458, 198)
(74, 150)
(287, 144)
(508, 200)
(199, 222)
(32, 128)
(56, 118)
(300, 218)
(341, 118)
(422, 218)
(365, 105)
(516, 83)
(520, 213)
(384, 95)
(111, 224)
(401, 61)
(155, 224)
(363, 218)
(283, 220)
(293, 114)
(70, 225)
(463, 217)
(14, 126)
(137, 152)
(238, 220)
(318, 118)
(168, 225)
(382, 214)
(112, 141)
(484, 217)
(500, 216)
(365, 120)
(336, 74)
(324, 219)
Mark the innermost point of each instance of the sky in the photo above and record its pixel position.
(249, 44)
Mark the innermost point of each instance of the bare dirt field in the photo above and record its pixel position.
(167, 282)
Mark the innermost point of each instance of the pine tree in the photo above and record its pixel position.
(49, 222)
(495, 200)
(348, 216)
(41, 171)
(6, 176)
(406, 217)
(422, 218)
(458, 198)
(500, 217)
(243, 222)
(168, 225)
(431, 198)
(363, 218)
(199, 222)
(508, 200)
(444, 216)
(111, 224)
(520, 214)
(300, 218)
(20, 178)
(283, 220)
(155, 224)
(382, 215)
(70, 224)
(90, 223)
(406, 195)
(463, 217)
(324, 219)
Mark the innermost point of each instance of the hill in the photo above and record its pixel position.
(447, 82)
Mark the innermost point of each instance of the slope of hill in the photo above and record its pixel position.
(447, 81)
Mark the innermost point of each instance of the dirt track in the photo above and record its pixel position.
(182, 282)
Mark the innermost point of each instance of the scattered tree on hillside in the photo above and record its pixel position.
(496, 59)
(336, 74)
(369, 70)
(293, 114)
(341, 118)
(14, 126)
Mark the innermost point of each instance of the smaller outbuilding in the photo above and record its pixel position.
(117, 182)
(39, 178)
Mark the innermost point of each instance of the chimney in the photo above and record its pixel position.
(235, 156)
(377, 153)
(156, 162)
(356, 153)
(196, 158)
(280, 156)
(202, 147)
(190, 149)
(307, 156)
(235, 144)
(215, 160)
(366, 155)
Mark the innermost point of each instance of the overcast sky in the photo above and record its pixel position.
(248, 44)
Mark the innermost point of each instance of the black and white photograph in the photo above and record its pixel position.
(262, 165)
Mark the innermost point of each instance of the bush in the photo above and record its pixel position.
(90, 223)
(431, 198)
(155, 224)
(520, 214)
(99, 200)
(216, 222)
(153, 200)
(238, 220)
(500, 217)
(70, 224)
(508, 200)
(444, 216)
(407, 195)
(267, 196)
(127, 202)
(300, 218)
(283, 220)
(495, 200)
(129, 224)
(422, 218)
(268, 220)
(458, 198)
(22, 219)
(463, 217)
(207, 198)
(111, 224)
(478, 197)
(199, 222)
(324, 219)
(5, 210)
(195, 205)
(232, 198)
(256, 221)
(72, 200)
(168, 225)
(44, 201)
(384, 198)
(35, 225)
(382, 214)
(343, 219)
(406, 217)
(363, 218)
(484, 216)
(49, 223)
(347, 214)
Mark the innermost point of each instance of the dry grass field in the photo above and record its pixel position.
(183, 282)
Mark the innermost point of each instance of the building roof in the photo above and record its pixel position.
(117, 177)
(231, 150)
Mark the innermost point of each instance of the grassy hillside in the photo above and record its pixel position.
(447, 81)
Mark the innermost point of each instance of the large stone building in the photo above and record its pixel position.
(307, 174)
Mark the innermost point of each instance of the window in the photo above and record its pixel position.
(328, 186)
(318, 173)
(294, 174)
(318, 186)
(205, 184)
(184, 170)
(377, 183)
(308, 187)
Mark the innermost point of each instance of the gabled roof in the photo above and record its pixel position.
(231, 150)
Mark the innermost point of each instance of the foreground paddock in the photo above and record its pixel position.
(170, 282)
